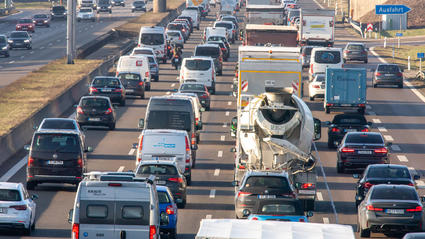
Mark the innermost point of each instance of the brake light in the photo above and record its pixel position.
(223, 49)
(378, 74)
(80, 162)
(179, 40)
(372, 208)
(141, 83)
(335, 130)
(347, 150)
(243, 194)
(147, 74)
(114, 184)
(196, 120)
(193, 139)
(399, 74)
(416, 209)
(329, 104)
(346, 52)
(381, 151)
(411, 184)
(75, 231)
(176, 180)
(254, 218)
(30, 161)
(152, 231)
(365, 130)
(301, 220)
(342, 66)
(80, 110)
(108, 111)
(316, 86)
(93, 89)
(19, 207)
(204, 96)
(118, 90)
(367, 185)
(308, 186)
(361, 105)
(169, 210)
(187, 144)
(311, 68)
(303, 54)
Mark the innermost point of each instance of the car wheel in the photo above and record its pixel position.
(31, 185)
(172, 234)
(311, 98)
(339, 168)
(27, 231)
(364, 232)
(207, 108)
(48, 25)
(10, 48)
(29, 48)
(142, 96)
(198, 139)
(220, 73)
(164, 60)
(331, 144)
(344, 60)
(132, 10)
(148, 87)
(110, 12)
(33, 225)
(327, 110)
(189, 180)
(78, 20)
(365, 61)
(93, 20)
(7, 55)
(400, 86)
(111, 127)
(374, 85)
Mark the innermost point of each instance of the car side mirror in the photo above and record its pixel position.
(356, 176)
(235, 183)
(89, 149)
(141, 123)
(27, 147)
(369, 123)
(246, 212)
(70, 215)
(233, 150)
(164, 219)
(317, 129)
(388, 144)
(416, 177)
(34, 197)
(35, 127)
(309, 214)
(194, 147)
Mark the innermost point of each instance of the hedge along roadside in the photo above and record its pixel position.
(21, 133)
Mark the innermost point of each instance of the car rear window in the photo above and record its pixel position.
(151, 59)
(152, 39)
(129, 76)
(387, 172)
(106, 82)
(157, 169)
(97, 211)
(207, 51)
(10, 195)
(319, 78)
(58, 8)
(2, 40)
(355, 47)
(25, 21)
(198, 65)
(364, 139)
(63, 143)
(40, 16)
(163, 197)
(222, 24)
(192, 87)
(388, 68)
(349, 119)
(394, 193)
(142, 52)
(216, 38)
(86, 10)
(139, 3)
(58, 124)
(268, 182)
(327, 57)
(97, 103)
(174, 27)
(173, 34)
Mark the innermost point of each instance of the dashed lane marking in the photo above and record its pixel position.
(229, 103)
(388, 138)
(395, 147)
(319, 196)
(220, 153)
(168, 92)
(212, 193)
(131, 152)
(174, 84)
(120, 169)
(14, 169)
(326, 220)
(227, 113)
(209, 216)
(371, 113)
(382, 129)
(402, 158)
(376, 121)
(216, 172)
(41, 48)
(222, 138)
(11, 62)
(224, 125)
(32, 52)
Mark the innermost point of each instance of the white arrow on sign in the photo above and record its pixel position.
(369, 27)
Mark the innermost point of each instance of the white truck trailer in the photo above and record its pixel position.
(317, 27)
(265, 14)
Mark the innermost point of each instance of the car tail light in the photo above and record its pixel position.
(311, 68)
(147, 74)
(196, 120)
(80, 162)
(183, 30)
(301, 220)
(303, 54)
(347, 150)
(108, 111)
(365, 130)
(204, 96)
(416, 209)
(80, 110)
(335, 130)
(176, 180)
(361, 105)
(118, 90)
(75, 231)
(329, 104)
(193, 140)
(411, 184)
(114, 184)
(346, 52)
(169, 210)
(241, 166)
(378, 74)
(30, 161)
(254, 218)
(308, 186)
(141, 83)
(399, 74)
(187, 143)
(223, 49)
(381, 151)
(93, 89)
(179, 40)
(367, 185)
(243, 194)
(342, 66)
(372, 208)
(19, 207)
(169, 47)
(316, 86)
(152, 231)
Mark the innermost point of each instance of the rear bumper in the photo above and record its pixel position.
(12, 225)
(355, 58)
(85, 120)
(393, 81)
(353, 162)
(404, 224)
(55, 179)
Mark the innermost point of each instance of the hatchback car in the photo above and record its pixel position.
(231, 29)
(25, 24)
(86, 14)
(344, 123)
(96, 111)
(359, 149)
(355, 52)
(214, 52)
(390, 209)
(4, 46)
(133, 83)
(282, 209)
(138, 6)
(200, 90)
(388, 74)
(316, 88)
(383, 174)
(167, 206)
(41, 20)
(20, 39)
(110, 87)
(17, 208)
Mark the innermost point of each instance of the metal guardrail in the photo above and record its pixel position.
(357, 26)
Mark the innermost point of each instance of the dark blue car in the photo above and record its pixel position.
(167, 205)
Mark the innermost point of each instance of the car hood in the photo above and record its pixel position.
(18, 38)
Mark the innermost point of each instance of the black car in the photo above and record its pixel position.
(96, 111)
(20, 39)
(58, 12)
(382, 174)
(118, 3)
(200, 90)
(359, 149)
(178, 27)
(388, 74)
(104, 6)
(343, 123)
(56, 156)
(138, 6)
(133, 83)
(167, 174)
(41, 20)
(355, 52)
(392, 210)
(108, 86)
(223, 47)
(4, 46)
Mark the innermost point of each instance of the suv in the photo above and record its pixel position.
(388, 74)
(214, 52)
(258, 185)
(58, 12)
(104, 6)
(20, 39)
(56, 156)
(4, 46)
(96, 111)
(355, 51)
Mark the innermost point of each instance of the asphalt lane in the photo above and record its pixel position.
(50, 43)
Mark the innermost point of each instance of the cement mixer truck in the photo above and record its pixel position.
(274, 129)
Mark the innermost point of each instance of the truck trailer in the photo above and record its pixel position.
(317, 27)
(276, 35)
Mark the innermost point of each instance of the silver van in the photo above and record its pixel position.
(113, 205)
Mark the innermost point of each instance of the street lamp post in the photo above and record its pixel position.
(70, 31)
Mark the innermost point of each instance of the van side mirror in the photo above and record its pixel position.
(135, 145)
(27, 147)
(202, 109)
(369, 123)
(317, 129)
(141, 123)
(70, 215)
(34, 197)
(389, 144)
(164, 219)
(423, 199)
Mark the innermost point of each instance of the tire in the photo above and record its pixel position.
(148, 87)
(327, 110)
(220, 73)
(31, 185)
(27, 231)
(331, 145)
(33, 225)
(311, 98)
(7, 55)
(93, 20)
(110, 12)
(339, 168)
(132, 10)
(29, 48)
(189, 180)
(142, 96)
(164, 60)
(122, 102)
(365, 61)
(10, 48)
(111, 127)
(157, 78)
(364, 232)
(207, 108)
(198, 139)
(374, 85)
(344, 60)
(172, 234)
(400, 86)
(78, 20)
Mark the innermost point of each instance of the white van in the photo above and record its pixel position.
(215, 31)
(139, 64)
(166, 144)
(194, 14)
(109, 205)
(324, 57)
(199, 69)
(155, 38)
(230, 27)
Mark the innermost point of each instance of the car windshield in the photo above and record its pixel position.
(152, 39)
(169, 120)
(173, 34)
(198, 65)
(394, 193)
(112, 82)
(355, 47)
(388, 68)
(10, 195)
(85, 10)
(59, 9)
(163, 197)
(364, 139)
(65, 143)
(138, 3)
(2, 40)
(58, 124)
(229, 19)
(40, 16)
(267, 182)
(129, 76)
(25, 21)
(328, 57)
(97, 103)
(349, 119)
(192, 87)
(222, 24)
(207, 51)
(388, 172)
(19, 35)
(157, 169)
(287, 209)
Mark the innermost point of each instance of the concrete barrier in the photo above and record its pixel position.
(96, 44)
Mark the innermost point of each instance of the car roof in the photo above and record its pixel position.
(103, 77)
(9, 185)
(267, 173)
(143, 48)
(229, 22)
(95, 97)
(355, 43)
(57, 131)
(364, 133)
(163, 131)
(152, 29)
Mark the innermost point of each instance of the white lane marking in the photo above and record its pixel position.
(368, 107)
(227, 113)
(382, 129)
(22, 57)
(395, 147)
(50, 44)
(174, 84)
(402, 158)
(222, 138)
(41, 48)
(231, 86)
(319, 196)
(10, 62)
(220, 153)
(31, 52)
(224, 125)
(216, 172)
(388, 138)
(371, 113)
(420, 184)
(168, 93)
(58, 40)
(376, 121)
(14, 169)
(326, 220)
(131, 152)
(209, 216)
(229, 103)
(120, 169)
(320, 5)
(212, 193)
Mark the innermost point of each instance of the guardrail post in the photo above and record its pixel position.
(408, 63)
(385, 42)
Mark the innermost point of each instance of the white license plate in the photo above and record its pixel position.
(364, 152)
(345, 105)
(160, 182)
(350, 130)
(388, 74)
(394, 211)
(55, 162)
(129, 90)
(266, 196)
(106, 90)
(94, 119)
(307, 192)
(163, 158)
(3, 210)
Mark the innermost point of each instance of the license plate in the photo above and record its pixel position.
(129, 90)
(388, 74)
(266, 196)
(160, 182)
(350, 130)
(364, 152)
(3, 210)
(106, 90)
(345, 105)
(163, 158)
(306, 191)
(94, 119)
(55, 162)
(394, 211)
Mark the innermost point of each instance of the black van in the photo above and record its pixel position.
(56, 156)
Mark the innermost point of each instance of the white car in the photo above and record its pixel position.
(175, 37)
(316, 88)
(17, 208)
(86, 13)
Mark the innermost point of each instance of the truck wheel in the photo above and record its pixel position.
(327, 110)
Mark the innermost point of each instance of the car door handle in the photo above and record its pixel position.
(123, 235)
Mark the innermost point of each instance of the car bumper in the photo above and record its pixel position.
(41, 23)
(22, 45)
(317, 93)
(14, 225)
(358, 162)
(135, 91)
(94, 120)
(388, 81)
(113, 97)
(55, 179)
(355, 58)
(382, 224)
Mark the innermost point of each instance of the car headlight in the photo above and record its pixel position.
(45, 21)
(133, 7)
(4, 48)
(64, 13)
(109, 6)
(34, 21)
(10, 41)
(27, 41)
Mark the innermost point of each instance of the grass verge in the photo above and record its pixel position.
(406, 33)
(401, 54)
(33, 5)
(25, 96)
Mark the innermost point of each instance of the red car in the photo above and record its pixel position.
(25, 25)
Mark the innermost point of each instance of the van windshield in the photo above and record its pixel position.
(152, 39)
(65, 143)
(327, 57)
(198, 65)
(169, 120)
